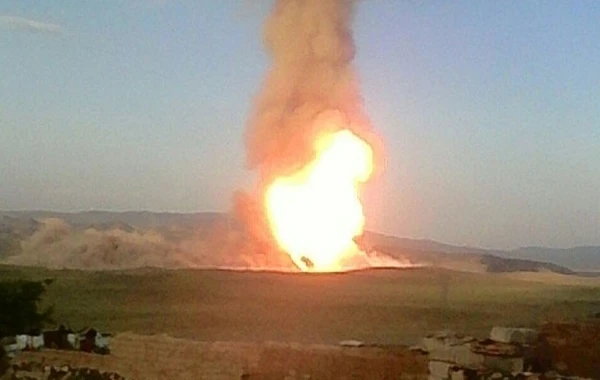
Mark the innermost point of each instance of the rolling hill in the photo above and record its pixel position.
(117, 240)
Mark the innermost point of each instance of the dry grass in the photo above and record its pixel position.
(378, 306)
(552, 278)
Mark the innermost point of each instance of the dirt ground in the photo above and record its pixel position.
(574, 347)
(162, 357)
(388, 307)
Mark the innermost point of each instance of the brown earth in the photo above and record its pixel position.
(574, 348)
(162, 357)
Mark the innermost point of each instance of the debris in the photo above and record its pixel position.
(509, 354)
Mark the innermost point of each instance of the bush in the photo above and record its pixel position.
(20, 305)
(4, 362)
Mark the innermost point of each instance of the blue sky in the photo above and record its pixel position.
(490, 111)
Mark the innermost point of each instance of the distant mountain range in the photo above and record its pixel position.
(577, 259)
(583, 259)
(137, 238)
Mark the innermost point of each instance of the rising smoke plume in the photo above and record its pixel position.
(311, 77)
(310, 89)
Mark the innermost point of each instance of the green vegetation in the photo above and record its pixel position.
(20, 310)
(20, 307)
(379, 306)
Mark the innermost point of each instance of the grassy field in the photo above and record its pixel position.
(375, 306)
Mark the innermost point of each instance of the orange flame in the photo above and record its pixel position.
(315, 213)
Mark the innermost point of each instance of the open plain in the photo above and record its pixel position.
(378, 306)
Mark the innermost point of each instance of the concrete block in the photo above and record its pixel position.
(514, 335)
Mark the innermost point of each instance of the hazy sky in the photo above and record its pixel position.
(489, 110)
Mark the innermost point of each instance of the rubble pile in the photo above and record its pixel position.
(508, 353)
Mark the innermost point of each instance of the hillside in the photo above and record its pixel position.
(139, 219)
(118, 240)
(585, 258)
(101, 240)
(579, 259)
(461, 258)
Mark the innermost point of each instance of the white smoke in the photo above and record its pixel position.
(56, 244)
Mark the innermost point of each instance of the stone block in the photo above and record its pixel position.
(457, 374)
(460, 355)
(440, 369)
(443, 339)
(504, 364)
(514, 335)
(432, 343)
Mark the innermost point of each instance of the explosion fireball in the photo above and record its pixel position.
(310, 141)
(316, 213)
